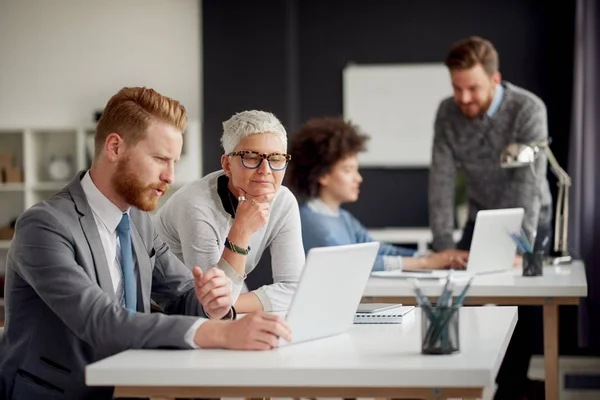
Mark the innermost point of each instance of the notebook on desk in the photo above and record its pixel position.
(378, 313)
(376, 307)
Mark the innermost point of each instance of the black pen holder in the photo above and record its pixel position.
(439, 330)
(533, 264)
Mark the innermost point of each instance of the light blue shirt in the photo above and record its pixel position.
(496, 101)
(322, 227)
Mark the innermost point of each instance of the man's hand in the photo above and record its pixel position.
(213, 291)
(255, 331)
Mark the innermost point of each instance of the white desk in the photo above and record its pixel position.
(420, 236)
(561, 285)
(368, 361)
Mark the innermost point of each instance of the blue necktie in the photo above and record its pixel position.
(124, 233)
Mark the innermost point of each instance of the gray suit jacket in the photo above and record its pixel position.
(62, 312)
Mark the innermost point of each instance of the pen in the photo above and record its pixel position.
(423, 301)
(446, 296)
(421, 298)
(461, 297)
(437, 314)
(526, 241)
(441, 333)
(519, 242)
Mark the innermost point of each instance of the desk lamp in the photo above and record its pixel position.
(518, 155)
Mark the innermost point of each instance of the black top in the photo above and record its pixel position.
(229, 201)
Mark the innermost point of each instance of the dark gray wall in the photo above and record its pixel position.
(287, 56)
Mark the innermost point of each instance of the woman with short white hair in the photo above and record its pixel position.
(231, 216)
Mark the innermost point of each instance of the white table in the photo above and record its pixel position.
(419, 236)
(559, 285)
(368, 361)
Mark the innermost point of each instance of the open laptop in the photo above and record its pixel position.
(492, 248)
(329, 291)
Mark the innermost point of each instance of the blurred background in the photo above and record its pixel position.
(61, 60)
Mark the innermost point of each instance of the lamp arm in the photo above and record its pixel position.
(560, 173)
(561, 227)
(565, 223)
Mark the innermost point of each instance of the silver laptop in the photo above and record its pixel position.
(492, 248)
(330, 289)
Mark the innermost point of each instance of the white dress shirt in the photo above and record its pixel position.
(107, 216)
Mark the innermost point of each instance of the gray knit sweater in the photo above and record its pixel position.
(475, 146)
(194, 223)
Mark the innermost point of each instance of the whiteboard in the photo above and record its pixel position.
(395, 104)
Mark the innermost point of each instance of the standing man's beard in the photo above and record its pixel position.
(134, 193)
(483, 107)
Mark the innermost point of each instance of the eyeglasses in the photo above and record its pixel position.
(253, 159)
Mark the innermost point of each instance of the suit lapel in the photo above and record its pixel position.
(90, 230)
(143, 266)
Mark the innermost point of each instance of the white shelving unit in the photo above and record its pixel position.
(33, 149)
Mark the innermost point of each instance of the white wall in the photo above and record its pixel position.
(62, 59)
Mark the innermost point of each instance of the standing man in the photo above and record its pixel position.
(84, 265)
(471, 130)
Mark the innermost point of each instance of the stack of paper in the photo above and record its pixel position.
(381, 313)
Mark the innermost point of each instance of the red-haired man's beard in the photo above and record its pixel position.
(135, 193)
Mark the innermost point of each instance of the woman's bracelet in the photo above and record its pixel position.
(235, 248)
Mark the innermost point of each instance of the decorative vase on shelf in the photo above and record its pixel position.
(59, 168)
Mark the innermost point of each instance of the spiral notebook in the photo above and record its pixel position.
(380, 313)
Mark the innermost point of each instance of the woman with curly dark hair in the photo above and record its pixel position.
(324, 175)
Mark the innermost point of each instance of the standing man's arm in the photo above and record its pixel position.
(442, 180)
(526, 183)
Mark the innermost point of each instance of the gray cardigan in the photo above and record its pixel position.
(475, 146)
(194, 224)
